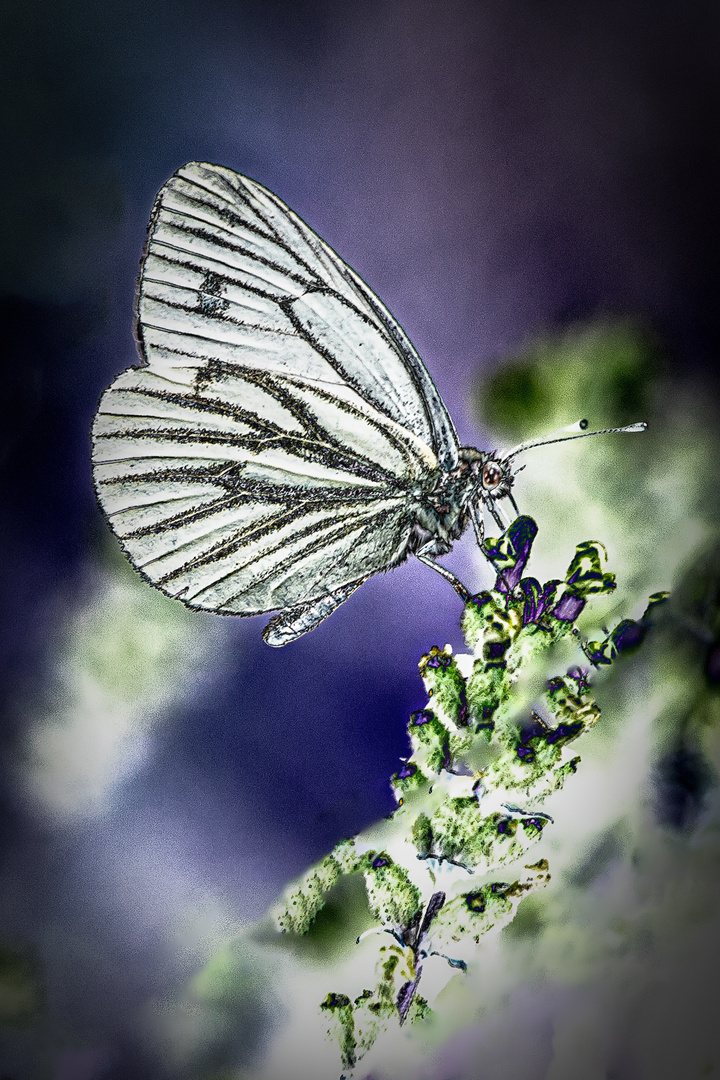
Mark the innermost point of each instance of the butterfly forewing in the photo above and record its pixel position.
(251, 256)
(271, 452)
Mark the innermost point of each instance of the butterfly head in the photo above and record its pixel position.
(492, 474)
(491, 478)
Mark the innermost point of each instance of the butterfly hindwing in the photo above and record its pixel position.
(244, 492)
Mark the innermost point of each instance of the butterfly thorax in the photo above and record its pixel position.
(444, 513)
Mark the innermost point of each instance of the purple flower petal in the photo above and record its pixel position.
(568, 607)
(520, 537)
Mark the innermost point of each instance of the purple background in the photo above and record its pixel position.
(493, 170)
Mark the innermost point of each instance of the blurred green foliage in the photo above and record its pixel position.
(20, 994)
(606, 371)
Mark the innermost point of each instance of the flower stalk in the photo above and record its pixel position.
(482, 762)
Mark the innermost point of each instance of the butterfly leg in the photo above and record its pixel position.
(456, 583)
(478, 525)
(500, 518)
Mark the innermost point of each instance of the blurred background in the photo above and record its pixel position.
(532, 191)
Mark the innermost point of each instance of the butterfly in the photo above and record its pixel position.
(282, 440)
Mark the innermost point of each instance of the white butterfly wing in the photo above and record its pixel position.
(271, 287)
(265, 456)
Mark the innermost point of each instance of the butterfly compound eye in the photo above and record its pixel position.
(492, 475)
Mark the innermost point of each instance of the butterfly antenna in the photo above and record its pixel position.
(572, 431)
